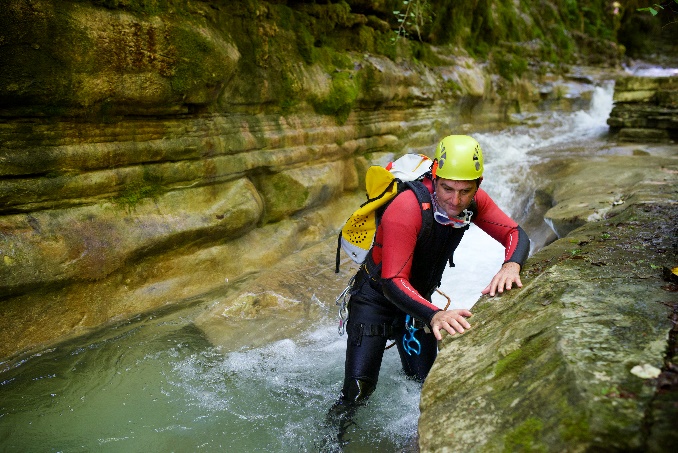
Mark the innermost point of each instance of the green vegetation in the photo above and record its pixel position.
(136, 191)
(291, 92)
(341, 98)
(423, 53)
(305, 44)
(277, 43)
(524, 437)
(412, 17)
(198, 65)
(515, 362)
(656, 7)
(138, 6)
(510, 35)
(510, 65)
(574, 424)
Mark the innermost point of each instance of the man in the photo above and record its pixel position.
(391, 293)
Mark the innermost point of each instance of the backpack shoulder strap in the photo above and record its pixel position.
(424, 199)
(473, 207)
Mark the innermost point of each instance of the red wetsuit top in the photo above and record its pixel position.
(398, 232)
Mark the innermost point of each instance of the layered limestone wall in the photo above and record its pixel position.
(153, 157)
(645, 109)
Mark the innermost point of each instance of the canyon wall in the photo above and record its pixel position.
(142, 143)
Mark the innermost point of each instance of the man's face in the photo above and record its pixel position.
(454, 196)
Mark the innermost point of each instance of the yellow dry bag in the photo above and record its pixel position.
(382, 185)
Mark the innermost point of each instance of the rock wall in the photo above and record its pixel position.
(583, 357)
(646, 109)
(143, 151)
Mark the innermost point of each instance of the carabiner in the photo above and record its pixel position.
(409, 338)
(342, 302)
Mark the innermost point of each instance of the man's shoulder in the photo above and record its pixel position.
(482, 197)
(420, 190)
(404, 208)
(413, 193)
(405, 199)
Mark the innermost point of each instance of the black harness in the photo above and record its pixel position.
(435, 247)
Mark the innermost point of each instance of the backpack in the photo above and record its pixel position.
(383, 184)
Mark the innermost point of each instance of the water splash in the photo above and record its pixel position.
(509, 154)
(647, 70)
(286, 388)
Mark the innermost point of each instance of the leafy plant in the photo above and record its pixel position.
(136, 191)
(669, 5)
(654, 9)
(415, 15)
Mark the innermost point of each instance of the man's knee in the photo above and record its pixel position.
(358, 390)
(354, 394)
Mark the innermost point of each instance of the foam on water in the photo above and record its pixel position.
(646, 70)
(286, 388)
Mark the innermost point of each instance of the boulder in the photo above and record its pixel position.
(289, 191)
(585, 191)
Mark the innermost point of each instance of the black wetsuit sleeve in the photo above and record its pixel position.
(408, 300)
(522, 249)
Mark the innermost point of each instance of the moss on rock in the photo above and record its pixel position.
(341, 98)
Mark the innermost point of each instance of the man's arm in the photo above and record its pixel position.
(397, 235)
(502, 228)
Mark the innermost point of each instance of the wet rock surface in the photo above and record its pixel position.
(588, 190)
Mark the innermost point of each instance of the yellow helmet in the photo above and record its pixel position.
(458, 157)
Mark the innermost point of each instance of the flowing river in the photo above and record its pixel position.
(156, 384)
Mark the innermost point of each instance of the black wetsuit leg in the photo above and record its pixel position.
(369, 326)
(372, 321)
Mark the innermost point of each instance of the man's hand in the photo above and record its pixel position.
(452, 321)
(504, 280)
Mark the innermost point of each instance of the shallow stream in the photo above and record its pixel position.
(157, 384)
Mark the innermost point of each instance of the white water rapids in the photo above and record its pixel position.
(156, 385)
